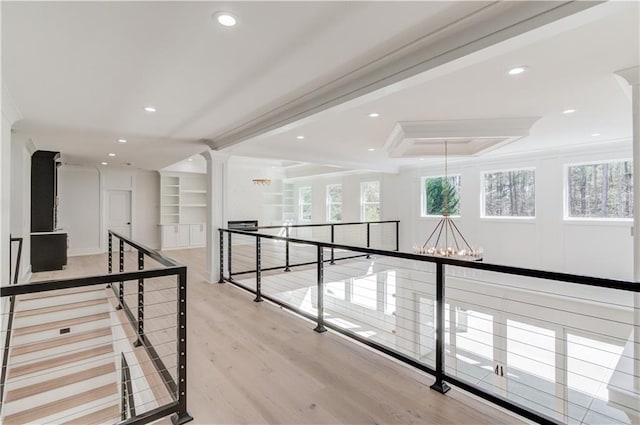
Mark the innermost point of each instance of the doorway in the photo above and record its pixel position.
(119, 213)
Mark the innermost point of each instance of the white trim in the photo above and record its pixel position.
(300, 204)
(423, 200)
(328, 204)
(362, 202)
(565, 195)
(508, 217)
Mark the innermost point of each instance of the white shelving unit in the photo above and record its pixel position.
(183, 207)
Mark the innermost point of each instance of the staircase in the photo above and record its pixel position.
(61, 366)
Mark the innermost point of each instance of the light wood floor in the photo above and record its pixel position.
(252, 363)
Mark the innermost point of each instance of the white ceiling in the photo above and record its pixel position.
(571, 64)
(81, 72)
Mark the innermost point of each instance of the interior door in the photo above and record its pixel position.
(119, 213)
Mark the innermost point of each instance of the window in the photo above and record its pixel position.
(334, 202)
(370, 201)
(304, 203)
(438, 192)
(603, 190)
(509, 193)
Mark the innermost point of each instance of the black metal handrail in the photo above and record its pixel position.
(178, 390)
(127, 403)
(7, 342)
(287, 227)
(441, 376)
(176, 387)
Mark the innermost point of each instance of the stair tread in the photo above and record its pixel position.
(111, 414)
(60, 382)
(61, 307)
(33, 414)
(59, 361)
(59, 292)
(18, 331)
(59, 341)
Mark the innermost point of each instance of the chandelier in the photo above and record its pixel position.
(261, 182)
(447, 240)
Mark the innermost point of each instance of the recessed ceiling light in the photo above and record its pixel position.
(300, 137)
(122, 140)
(149, 109)
(374, 115)
(595, 134)
(225, 19)
(103, 163)
(190, 159)
(371, 149)
(568, 111)
(112, 154)
(517, 70)
(421, 159)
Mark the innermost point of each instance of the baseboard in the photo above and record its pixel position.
(182, 247)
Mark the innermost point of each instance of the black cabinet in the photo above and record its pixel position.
(44, 190)
(48, 246)
(48, 251)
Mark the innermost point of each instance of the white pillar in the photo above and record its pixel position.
(216, 209)
(632, 75)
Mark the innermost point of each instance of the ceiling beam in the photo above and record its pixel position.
(486, 25)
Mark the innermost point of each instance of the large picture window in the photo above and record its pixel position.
(510, 193)
(602, 190)
(440, 192)
(334, 202)
(304, 203)
(370, 201)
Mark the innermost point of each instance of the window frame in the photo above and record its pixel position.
(423, 197)
(508, 217)
(328, 204)
(363, 203)
(565, 195)
(302, 204)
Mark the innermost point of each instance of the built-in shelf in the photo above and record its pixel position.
(183, 201)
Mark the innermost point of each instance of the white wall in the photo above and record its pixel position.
(248, 201)
(79, 208)
(21, 151)
(5, 197)
(547, 242)
(82, 192)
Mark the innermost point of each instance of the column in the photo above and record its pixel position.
(217, 164)
(632, 75)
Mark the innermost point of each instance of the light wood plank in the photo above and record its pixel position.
(56, 308)
(59, 324)
(256, 363)
(67, 403)
(110, 414)
(57, 293)
(59, 341)
(27, 369)
(52, 384)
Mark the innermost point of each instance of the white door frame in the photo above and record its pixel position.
(105, 213)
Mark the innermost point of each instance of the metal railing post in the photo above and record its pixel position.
(286, 250)
(139, 341)
(320, 327)
(121, 284)
(368, 237)
(440, 385)
(110, 256)
(332, 241)
(229, 256)
(221, 280)
(182, 416)
(258, 297)
(397, 236)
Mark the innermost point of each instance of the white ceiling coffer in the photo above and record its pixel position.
(472, 137)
